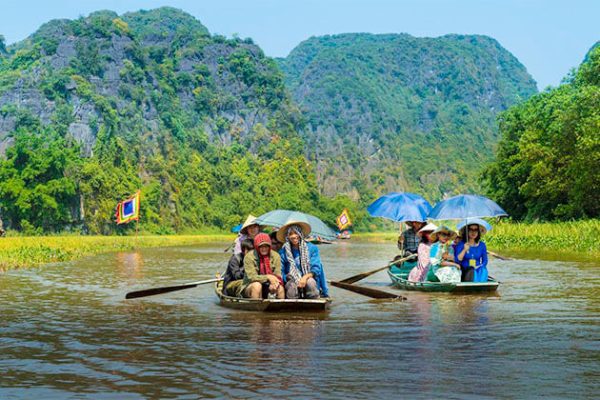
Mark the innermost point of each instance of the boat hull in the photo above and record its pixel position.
(272, 305)
(462, 287)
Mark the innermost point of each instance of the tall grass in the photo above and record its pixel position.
(574, 237)
(18, 252)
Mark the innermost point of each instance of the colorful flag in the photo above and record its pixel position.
(343, 220)
(129, 210)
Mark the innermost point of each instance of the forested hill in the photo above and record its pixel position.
(95, 108)
(548, 161)
(392, 112)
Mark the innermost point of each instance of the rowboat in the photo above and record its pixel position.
(400, 281)
(271, 305)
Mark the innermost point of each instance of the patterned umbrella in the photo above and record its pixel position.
(278, 218)
(400, 207)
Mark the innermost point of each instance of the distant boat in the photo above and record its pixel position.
(346, 234)
(318, 240)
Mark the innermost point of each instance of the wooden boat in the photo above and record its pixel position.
(400, 281)
(318, 240)
(271, 305)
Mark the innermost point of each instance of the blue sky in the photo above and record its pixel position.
(549, 37)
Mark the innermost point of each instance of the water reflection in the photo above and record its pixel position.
(130, 265)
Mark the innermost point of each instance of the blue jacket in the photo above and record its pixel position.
(315, 267)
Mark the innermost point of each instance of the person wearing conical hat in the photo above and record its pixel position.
(419, 272)
(262, 271)
(301, 266)
(471, 253)
(249, 230)
(443, 268)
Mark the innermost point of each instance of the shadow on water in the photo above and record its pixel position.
(66, 331)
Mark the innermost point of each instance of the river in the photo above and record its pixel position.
(67, 332)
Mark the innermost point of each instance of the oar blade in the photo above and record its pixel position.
(366, 291)
(155, 291)
(167, 289)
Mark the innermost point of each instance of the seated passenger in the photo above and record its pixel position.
(300, 263)
(471, 254)
(234, 275)
(419, 273)
(276, 245)
(408, 241)
(249, 230)
(262, 271)
(441, 256)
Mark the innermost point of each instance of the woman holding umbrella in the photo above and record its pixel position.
(471, 252)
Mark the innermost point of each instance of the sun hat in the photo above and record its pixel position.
(251, 220)
(427, 228)
(261, 239)
(441, 229)
(484, 226)
(283, 231)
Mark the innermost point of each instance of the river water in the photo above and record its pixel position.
(67, 332)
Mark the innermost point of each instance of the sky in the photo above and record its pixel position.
(549, 37)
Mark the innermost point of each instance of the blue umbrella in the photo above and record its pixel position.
(400, 207)
(278, 218)
(466, 206)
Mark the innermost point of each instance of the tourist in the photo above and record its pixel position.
(443, 268)
(262, 271)
(234, 275)
(419, 273)
(248, 231)
(300, 263)
(408, 241)
(471, 254)
(276, 245)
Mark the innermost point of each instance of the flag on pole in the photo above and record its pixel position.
(343, 220)
(129, 210)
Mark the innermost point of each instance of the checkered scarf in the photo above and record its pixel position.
(304, 267)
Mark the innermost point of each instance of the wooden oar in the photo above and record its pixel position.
(367, 291)
(167, 289)
(498, 256)
(356, 278)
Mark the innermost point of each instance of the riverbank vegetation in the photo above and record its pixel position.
(18, 252)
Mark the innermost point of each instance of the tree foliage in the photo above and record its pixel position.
(548, 160)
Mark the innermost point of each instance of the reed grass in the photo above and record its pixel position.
(19, 252)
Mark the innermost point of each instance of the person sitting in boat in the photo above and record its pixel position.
(471, 254)
(443, 268)
(419, 273)
(408, 241)
(276, 245)
(234, 275)
(249, 230)
(262, 271)
(301, 263)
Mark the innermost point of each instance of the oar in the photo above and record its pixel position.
(356, 278)
(498, 256)
(366, 291)
(167, 289)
